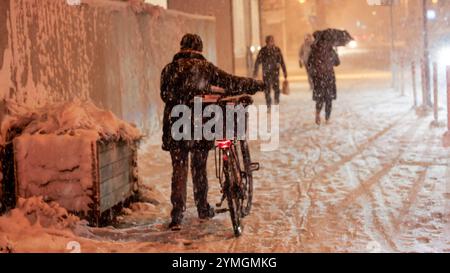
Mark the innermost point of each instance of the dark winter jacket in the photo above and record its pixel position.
(271, 59)
(321, 63)
(190, 75)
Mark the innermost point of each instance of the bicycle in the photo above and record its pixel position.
(234, 169)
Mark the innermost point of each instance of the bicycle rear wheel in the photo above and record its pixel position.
(232, 192)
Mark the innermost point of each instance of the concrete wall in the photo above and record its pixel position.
(222, 11)
(112, 52)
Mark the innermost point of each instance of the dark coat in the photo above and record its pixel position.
(271, 59)
(321, 63)
(190, 75)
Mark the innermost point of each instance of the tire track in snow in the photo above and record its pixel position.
(364, 189)
(300, 220)
(373, 180)
(418, 184)
(415, 188)
(411, 199)
(359, 149)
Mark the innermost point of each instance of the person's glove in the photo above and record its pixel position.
(260, 86)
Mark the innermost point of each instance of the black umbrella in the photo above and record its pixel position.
(334, 37)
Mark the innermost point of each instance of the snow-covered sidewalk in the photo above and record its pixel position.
(375, 179)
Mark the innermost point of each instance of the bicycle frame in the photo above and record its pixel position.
(224, 149)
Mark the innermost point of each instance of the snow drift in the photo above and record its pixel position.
(35, 212)
(75, 118)
(35, 218)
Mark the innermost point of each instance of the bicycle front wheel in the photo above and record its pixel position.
(246, 161)
(232, 192)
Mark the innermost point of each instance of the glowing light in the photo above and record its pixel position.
(444, 56)
(302, 1)
(353, 44)
(431, 14)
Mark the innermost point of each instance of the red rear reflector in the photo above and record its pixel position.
(223, 144)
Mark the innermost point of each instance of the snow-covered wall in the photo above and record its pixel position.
(110, 51)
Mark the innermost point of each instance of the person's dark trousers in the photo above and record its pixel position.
(199, 160)
(328, 107)
(180, 159)
(272, 81)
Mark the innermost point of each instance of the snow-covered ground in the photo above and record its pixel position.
(375, 179)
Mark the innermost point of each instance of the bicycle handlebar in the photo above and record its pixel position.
(217, 95)
(215, 98)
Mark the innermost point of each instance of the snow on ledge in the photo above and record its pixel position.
(74, 118)
(139, 6)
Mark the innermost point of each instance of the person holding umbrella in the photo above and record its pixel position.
(322, 60)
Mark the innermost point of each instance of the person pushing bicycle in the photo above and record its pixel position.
(187, 76)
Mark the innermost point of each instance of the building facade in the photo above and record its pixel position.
(238, 29)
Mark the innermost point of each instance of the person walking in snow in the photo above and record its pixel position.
(271, 58)
(322, 60)
(187, 76)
